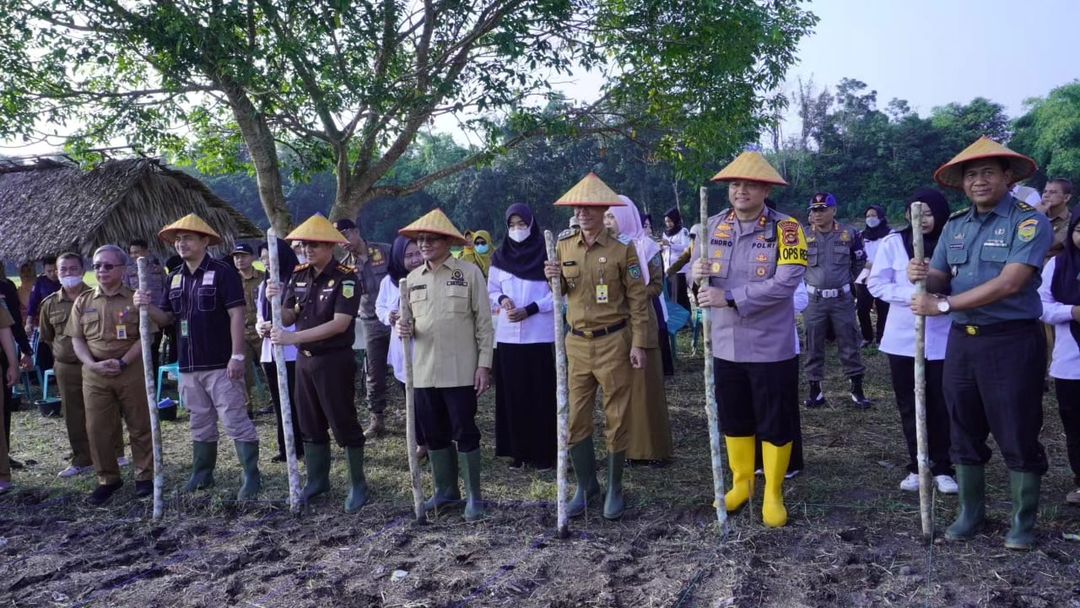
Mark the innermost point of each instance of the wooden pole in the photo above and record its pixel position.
(284, 397)
(710, 381)
(562, 396)
(920, 380)
(410, 408)
(147, 338)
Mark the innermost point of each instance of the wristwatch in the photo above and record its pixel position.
(730, 297)
(943, 305)
(237, 357)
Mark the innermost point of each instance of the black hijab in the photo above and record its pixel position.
(396, 269)
(1065, 284)
(287, 263)
(882, 229)
(676, 220)
(524, 260)
(939, 208)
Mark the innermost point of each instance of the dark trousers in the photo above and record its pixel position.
(993, 384)
(377, 347)
(324, 397)
(937, 415)
(448, 414)
(758, 399)
(1068, 397)
(864, 301)
(839, 313)
(270, 369)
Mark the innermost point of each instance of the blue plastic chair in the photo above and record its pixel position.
(169, 368)
(49, 373)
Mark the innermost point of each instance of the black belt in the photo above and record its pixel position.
(994, 329)
(599, 332)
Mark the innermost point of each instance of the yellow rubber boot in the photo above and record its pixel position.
(740, 452)
(774, 461)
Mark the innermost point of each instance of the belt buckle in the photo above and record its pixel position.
(971, 330)
(587, 334)
(828, 293)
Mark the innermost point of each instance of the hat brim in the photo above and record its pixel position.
(738, 178)
(168, 236)
(951, 175)
(414, 234)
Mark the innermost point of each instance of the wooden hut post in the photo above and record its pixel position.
(562, 397)
(710, 382)
(920, 381)
(146, 336)
(284, 397)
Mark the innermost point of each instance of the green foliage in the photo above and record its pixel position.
(1050, 133)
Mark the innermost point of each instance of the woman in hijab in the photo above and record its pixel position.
(525, 338)
(1060, 294)
(877, 227)
(404, 257)
(888, 281)
(480, 252)
(286, 263)
(676, 240)
(648, 426)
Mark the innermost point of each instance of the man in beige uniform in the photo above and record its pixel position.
(243, 256)
(452, 351)
(104, 330)
(53, 321)
(607, 308)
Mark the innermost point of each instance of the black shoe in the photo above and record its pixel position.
(103, 493)
(144, 488)
(817, 398)
(861, 402)
(279, 458)
(14, 464)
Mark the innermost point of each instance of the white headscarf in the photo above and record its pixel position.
(629, 220)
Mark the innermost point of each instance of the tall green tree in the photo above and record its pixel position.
(348, 86)
(1050, 132)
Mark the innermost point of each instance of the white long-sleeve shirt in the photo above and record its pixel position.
(1065, 362)
(801, 299)
(267, 353)
(677, 244)
(389, 300)
(888, 281)
(538, 328)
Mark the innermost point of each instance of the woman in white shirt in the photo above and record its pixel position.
(404, 257)
(524, 366)
(888, 281)
(286, 263)
(676, 240)
(1060, 294)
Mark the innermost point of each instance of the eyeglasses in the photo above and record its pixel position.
(423, 240)
(104, 266)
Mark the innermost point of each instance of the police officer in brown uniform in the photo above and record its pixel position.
(53, 321)
(104, 330)
(252, 277)
(607, 310)
(321, 299)
(371, 262)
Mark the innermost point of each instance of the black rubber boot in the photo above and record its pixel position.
(317, 461)
(972, 482)
(1025, 497)
(817, 398)
(247, 452)
(444, 472)
(203, 461)
(861, 402)
(588, 491)
(357, 482)
(614, 505)
(470, 472)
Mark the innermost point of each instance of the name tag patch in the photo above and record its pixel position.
(457, 279)
(208, 277)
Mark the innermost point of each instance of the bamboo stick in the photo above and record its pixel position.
(146, 336)
(562, 396)
(920, 380)
(284, 397)
(410, 408)
(710, 382)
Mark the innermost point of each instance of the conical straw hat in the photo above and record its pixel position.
(188, 223)
(316, 229)
(951, 175)
(750, 166)
(434, 222)
(591, 191)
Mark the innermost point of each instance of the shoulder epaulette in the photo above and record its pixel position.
(957, 214)
(1021, 205)
(568, 233)
(346, 269)
(301, 267)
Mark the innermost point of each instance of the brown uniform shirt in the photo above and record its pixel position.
(603, 284)
(1060, 224)
(317, 298)
(109, 324)
(251, 296)
(55, 311)
(453, 331)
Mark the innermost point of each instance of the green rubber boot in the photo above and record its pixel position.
(203, 461)
(614, 505)
(470, 472)
(358, 483)
(247, 452)
(972, 482)
(444, 473)
(1025, 497)
(317, 461)
(588, 491)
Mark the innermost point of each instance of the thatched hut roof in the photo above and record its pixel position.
(51, 207)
